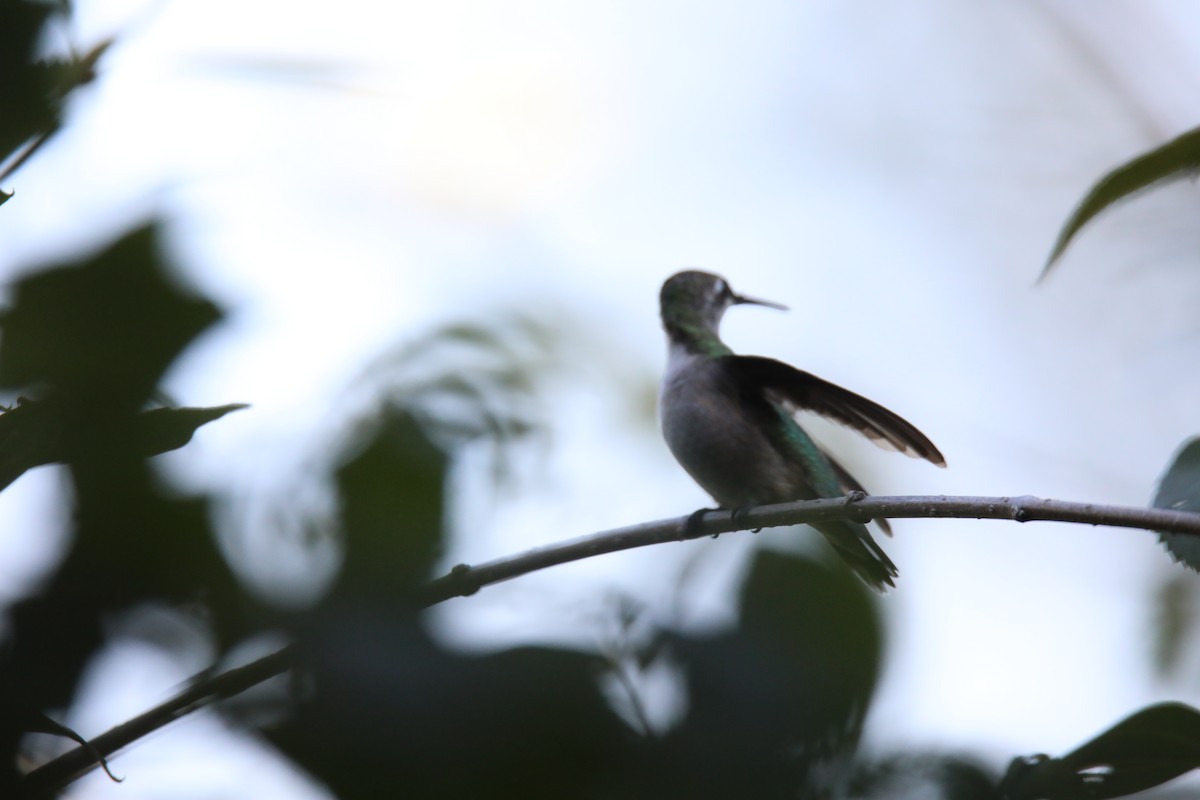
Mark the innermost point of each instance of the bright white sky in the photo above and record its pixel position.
(895, 173)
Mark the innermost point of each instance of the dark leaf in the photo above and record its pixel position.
(27, 106)
(389, 713)
(32, 92)
(1176, 602)
(392, 506)
(1179, 489)
(101, 332)
(95, 338)
(774, 703)
(32, 434)
(1178, 158)
(1149, 748)
(164, 429)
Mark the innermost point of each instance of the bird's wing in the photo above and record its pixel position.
(807, 392)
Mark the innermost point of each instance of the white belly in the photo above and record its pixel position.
(708, 432)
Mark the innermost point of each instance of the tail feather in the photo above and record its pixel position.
(850, 483)
(853, 543)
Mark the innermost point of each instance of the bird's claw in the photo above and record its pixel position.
(694, 519)
(740, 513)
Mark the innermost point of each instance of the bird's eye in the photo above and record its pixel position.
(720, 289)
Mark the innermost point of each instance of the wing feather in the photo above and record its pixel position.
(806, 391)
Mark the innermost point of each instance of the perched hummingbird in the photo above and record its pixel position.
(728, 421)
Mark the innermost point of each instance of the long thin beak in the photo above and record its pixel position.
(742, 300)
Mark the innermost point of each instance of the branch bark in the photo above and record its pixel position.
(464, 580)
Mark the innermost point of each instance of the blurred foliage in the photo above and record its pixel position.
(33, 91)
(474, 382)
(386, 705)
(91, 340)
(1179, 489)
(31, 434)
(387, 709)
(941, 776)
(1178, 158)
(1161, 742)
(392, 506)
(1140, 752)
(773, 706)
(1175, 626)
(1176, 598)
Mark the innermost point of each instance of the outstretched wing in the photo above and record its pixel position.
(808, 392)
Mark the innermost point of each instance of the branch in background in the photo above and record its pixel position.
(50, 778)
(465, 580)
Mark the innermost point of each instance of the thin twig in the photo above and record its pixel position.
(52, 776)
(25, 154)
(465, 580)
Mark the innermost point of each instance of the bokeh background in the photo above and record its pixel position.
(348, 181)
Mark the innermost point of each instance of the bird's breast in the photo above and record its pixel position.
(712, 434)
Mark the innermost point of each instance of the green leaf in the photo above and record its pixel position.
(1151, 747)
(1176, 602)
(1177, 158)
(820, 626)
(102, 331)
(392, 505)
(26, 104)
(1179, 489)
(32, 434)
(388, 712)
(785, 692)
(163, 429)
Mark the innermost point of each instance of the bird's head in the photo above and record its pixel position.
(694, 299)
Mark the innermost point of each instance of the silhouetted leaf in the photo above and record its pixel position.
(775, 707)
(392, 505)
(32, 434)
(1178, 158)
(1175, 603)
(26, 102)
(93, 339)
(32, 91)
(1144, 750)
(1179, 489)
(101, 332)
(479, 382)
(164, 429)
(389, 713)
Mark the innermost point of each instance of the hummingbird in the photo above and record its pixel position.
(728, 420)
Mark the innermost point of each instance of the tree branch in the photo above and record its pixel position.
(464, 580)
(50, 778)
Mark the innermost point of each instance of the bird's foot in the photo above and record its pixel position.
(855, 496)
(740, 513)
(692, 526)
